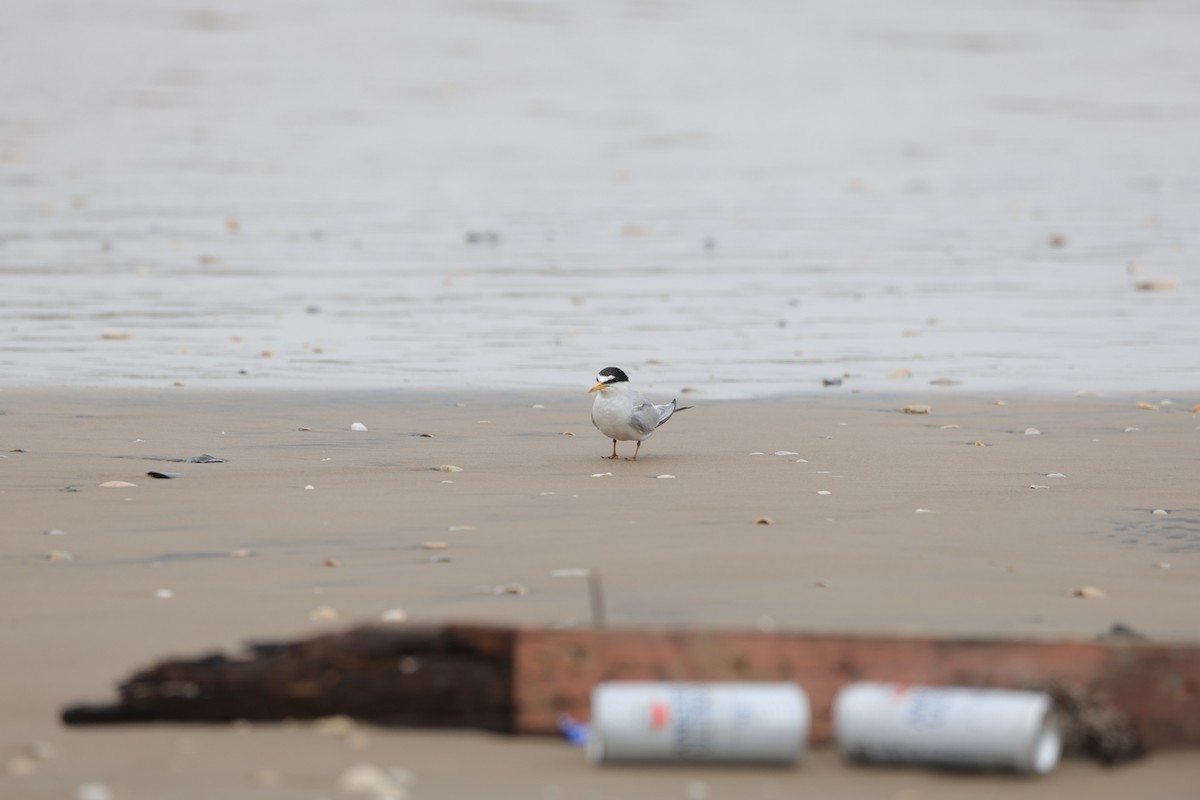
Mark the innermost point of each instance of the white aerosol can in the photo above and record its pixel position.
(719, 722)
(947, 726)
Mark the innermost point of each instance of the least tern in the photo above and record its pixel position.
(623, 414)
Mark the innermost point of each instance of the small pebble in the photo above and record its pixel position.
(303, 428)
(1032, 432)
(823, 492)
(511, 588)
(1144, 406)
(764, 521)
(166, 476)
(118, 485)
(917, 409)
(267, 778)
(394, 615)
(41, 750)
(330, 562)
(323, 614)
(448, 468)
(1089, 593)
(980, 444)
(1156, 286)
(21, 766)
(899, 374)
(664, 476)
(309, 487)
(367, 780)
(357, 426)
(1160, 512)
(93, 791)
(434, 545)
(59, 555)
(999, 403)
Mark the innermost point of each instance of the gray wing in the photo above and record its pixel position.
(645, 417)
(663, 413)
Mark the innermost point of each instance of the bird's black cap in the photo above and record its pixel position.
(611, 375)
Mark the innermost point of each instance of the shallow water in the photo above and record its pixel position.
(744, 199)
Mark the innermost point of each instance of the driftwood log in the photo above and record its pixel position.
(1117, 698)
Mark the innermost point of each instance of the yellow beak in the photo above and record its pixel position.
(597, 387)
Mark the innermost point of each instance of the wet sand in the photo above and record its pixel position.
(990, 555)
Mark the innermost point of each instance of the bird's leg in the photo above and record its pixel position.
(635, 451)
(614, 455)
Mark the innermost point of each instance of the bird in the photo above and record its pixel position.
(623, 414)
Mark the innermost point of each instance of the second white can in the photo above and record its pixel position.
(726, 722)
(948, 726)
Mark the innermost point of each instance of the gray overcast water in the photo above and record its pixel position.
(742, 198)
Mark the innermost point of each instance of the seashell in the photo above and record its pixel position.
(1037, 486)
(323, 614)
(664, 476)
(823, 492)
(434, 545)
(357, 426)
(917, 409)
(1160, 512)
(764, 521)
(448, 468)
(309, 487)
(898, 374)
(164, 594)
(785, 453)
(601, 474)
(1089, 593)
(118, 485)
(1032, 432)
(1144, 406)
(394, 615)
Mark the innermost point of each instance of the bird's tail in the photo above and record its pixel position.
(667, 411)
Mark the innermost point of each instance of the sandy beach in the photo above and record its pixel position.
(237, 229)
(882, 522)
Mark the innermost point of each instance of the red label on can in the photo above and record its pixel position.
(660, 715)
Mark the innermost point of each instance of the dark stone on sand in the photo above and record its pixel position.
(166, 476)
